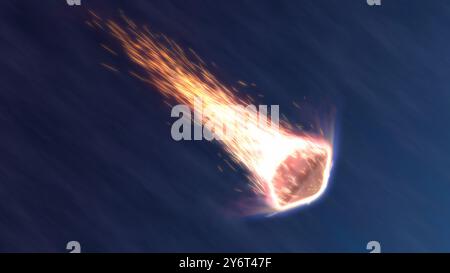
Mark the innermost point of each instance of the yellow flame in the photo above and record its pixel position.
(263, 150)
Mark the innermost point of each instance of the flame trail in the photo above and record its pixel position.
(289, 170)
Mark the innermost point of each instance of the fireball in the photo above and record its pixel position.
(288, 169)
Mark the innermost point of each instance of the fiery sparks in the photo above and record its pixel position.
(288, 169)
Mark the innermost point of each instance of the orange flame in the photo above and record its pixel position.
(289, 170)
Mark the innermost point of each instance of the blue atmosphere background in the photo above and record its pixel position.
(86, 153)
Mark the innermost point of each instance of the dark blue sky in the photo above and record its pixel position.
(86, 154)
